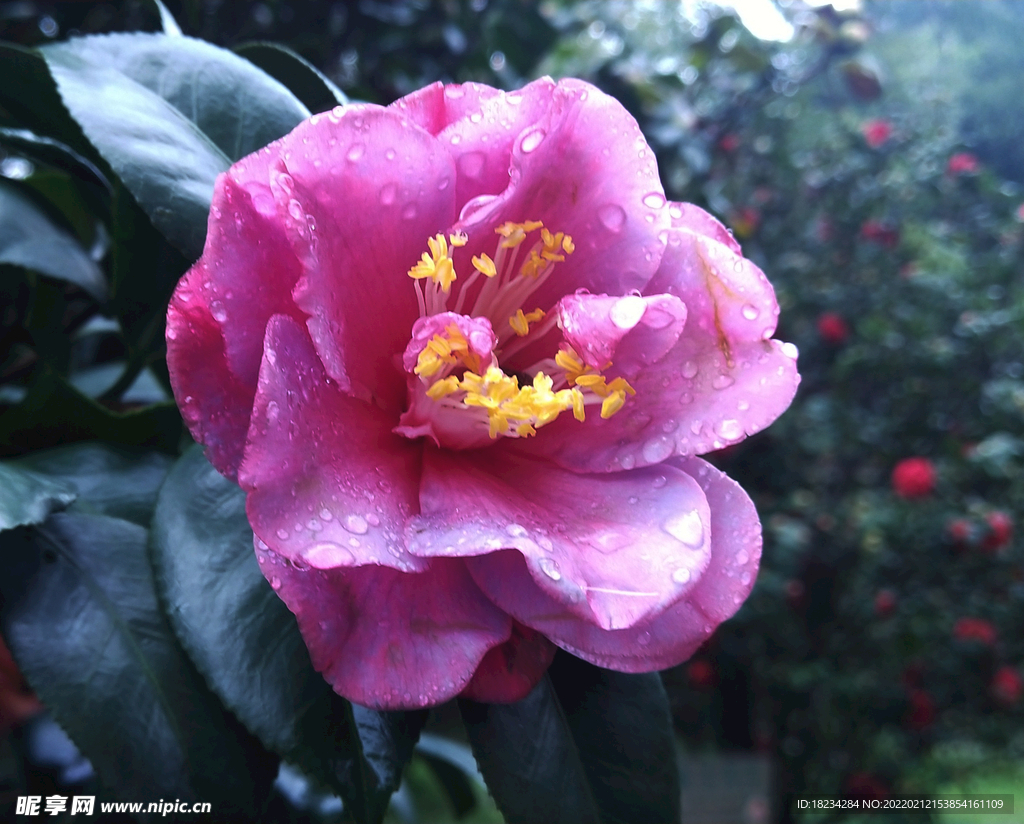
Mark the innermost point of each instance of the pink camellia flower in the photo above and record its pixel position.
(876, 132)
(460, 353)
(962, 163)
(913, 478)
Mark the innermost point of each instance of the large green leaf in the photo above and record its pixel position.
(168, 114)
(28, 497)
(530, 760)
(81, 614)
(586, 745)
(28, 238)
(247, 644)
(107, 480)
(306, 82)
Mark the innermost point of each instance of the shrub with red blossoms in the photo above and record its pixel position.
(913, 478)
(974, 629)
(461, 354)
(962, 163)
(876, 132)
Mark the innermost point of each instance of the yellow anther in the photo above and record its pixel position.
(568, 360)
(567, 245)
(612, 404)
(532, 266)
(437, 265)
(520, 322)
(485, 266)
(515, 233)
(621, 385)
(524, 430)
(592, 381)
(458, 239)
(577, 404)
(443, 388)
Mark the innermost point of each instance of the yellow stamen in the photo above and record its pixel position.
(612, 404)
(520, 322)
(437, 265)
(458, 239)
(485, 266)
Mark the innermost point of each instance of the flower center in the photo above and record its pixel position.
(459, 395)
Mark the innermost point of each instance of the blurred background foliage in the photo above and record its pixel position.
(871, 164)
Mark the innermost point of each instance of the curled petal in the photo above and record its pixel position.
(723, 380)
(360, 193)
(611, 550)
(477, 332)
(630, 330)
(694, 219)
(214, 402)
(391, 640)
(674, 635)
(328, 484)
(509, 671)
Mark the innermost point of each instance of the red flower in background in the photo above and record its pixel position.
(832, 328)
(17, 702)
(876, 132)
(913, 478)
(962, 163)
(876, 231)
(728, 143)
(1007, 686)
(921, 713)
(959, 531)
(1000, 531)
(701, 674)
(974, 629)
(885, 603)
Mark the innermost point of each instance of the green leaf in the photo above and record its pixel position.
(306, 82)
(54, 412)
(81, 615)
(586, 745)
(247, 644)
(28, 238)
(529, 759)
(622, 727)
(55, 153)
(168, 114)
(108, 480)
(28, 498)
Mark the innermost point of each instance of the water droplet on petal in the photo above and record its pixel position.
(790, 351)
(689, 369)
(644, 638)
(273, 411)
(612, 217)
(743, 406)
(275, 583)
(516, 530)
(531, 140)
(659, 481)
(628, 461)
(655, 200)
(681, 575)
(355, 152)
(686, 528)
(409, 212)
(442, 184)
(658, 449)
(390, 154)
(723, 381)
(742, 557)
(282, 533)
(372, 520)
(220, 314)
(627, 311)
(730, 429)
(750, 312)
(550, 568)
(356, 524)
(172, 333)
(388, 193)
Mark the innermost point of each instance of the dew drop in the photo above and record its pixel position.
(790, 350)
(657, 449)
(644, 638)
(723, 381)
(689, 369)
(545, 543)
(612, 217)
(409, 212)
(730, 429)
(550, 568)
(328, 555)
(355, 152)
(669, 426)
(442, 184)
(275, 583)
(282, 533)
(659, 481)
(655, 200)
(372, 520)
(220, 314)
(686, 528)
(516, 530)
(388, 193)
(742, 557)
(750, 312)
(356, 524)
(628, 461)
(695, 427)
(627, 311)
(172, 333)
(681, 575)
(531, 140)
(326, 514)
(743, 406)
(390, 154)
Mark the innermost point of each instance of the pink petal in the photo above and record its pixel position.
(360, 193)
(328, 484)
(509, 671)
(583, 168)
(477, 332)
(215, 404)
(252, 268)
(674, 635)
(723, 380)
(609, 549)
(694, 219)
(631, 331)
(391, 640)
